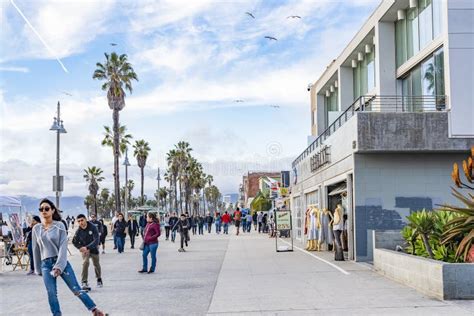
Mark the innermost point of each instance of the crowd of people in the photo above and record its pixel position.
(47, 241)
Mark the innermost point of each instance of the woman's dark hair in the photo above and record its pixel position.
(120, 213)
(56, 215)
(152, 216)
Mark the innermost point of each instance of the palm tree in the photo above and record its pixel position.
(117, 74)
(88, 202)
(93, 176)
(104, 198)
(183, 156)
(142, 149)
(124, 139)
(172, 173)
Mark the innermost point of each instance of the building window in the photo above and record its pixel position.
(420, 27)
(364, 75)
(312, 199)
(299, 216)
(332, 107)
(426, 79)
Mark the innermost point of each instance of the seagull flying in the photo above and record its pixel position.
(250, 15)
(66, 93)
(113, 44)
(238, 101)
(271, 38)
(275, 106)
(293, 17)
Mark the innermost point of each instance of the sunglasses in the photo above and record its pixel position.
(44, 209)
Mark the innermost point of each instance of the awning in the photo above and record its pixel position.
(338, 190)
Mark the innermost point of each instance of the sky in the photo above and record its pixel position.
(194, 59)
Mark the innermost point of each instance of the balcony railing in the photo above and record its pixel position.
(376, 103)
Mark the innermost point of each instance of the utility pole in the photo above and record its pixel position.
(158, 178)
(58, 181)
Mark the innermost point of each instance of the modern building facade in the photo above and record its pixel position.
(389, 117)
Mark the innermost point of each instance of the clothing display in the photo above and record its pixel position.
(338, 226)
(325, 232)
(313, 224)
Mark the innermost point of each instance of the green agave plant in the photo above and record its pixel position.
(461, 228)
(423, 223)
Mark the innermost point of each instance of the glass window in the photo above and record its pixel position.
(299, 216)
(439, 80)
(428, 76)
(370, 71)
(412, 32)
(438, 17)
(426, 22)
(356, 79)
(363, 76)
(400, 41)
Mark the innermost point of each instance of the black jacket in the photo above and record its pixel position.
(132, 226)
(173, 220)
(98, 225)
(209, 219)
(88, 237)
(183, 225)
(119, 228)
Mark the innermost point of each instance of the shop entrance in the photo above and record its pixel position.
(337, 195)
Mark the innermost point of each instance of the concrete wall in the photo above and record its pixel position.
(383, 239)
(378, 132)
(388, 187)
(433, 278)
(460, 66)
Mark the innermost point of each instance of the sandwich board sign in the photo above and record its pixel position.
(284, 231)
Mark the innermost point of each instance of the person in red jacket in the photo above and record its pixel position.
(150, 242)
(226, 221)
(237, 219)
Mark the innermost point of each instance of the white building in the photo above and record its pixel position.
(389, 117)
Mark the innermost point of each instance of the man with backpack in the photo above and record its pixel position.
(237, 219)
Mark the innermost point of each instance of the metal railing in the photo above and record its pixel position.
(377, 103)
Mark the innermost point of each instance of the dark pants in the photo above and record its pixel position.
(260, 227)
(184, 238)
(30, 254)
(194, 230)
(167, 229)
(142, 231)
(209, 227)
(120, 243)
(201, 229)
(132, 238)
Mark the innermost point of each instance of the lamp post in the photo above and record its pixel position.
(58, 181)
(158, 178)
(126, 163)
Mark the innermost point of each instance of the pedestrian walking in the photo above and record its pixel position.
(97, 223)
(218, 222)
(194, 224)
(249, 222)
(103, 235)
(73, 220)
(167, 225)
(86, 239)
(243, 223)
(260, 224)
(255, 220)
(142, 222)
(112, 228)
(68, 220)
(226, 222)
(237, 219)
(209, 221)
(29, 243)
(50, 257)
(173, 224)
(200, 225)
(265, 223)
(183, 227)
(132, 227)
(120, 227)
(150, 242)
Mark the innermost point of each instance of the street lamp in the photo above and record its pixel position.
(58, 181)
(126, 163)
(158, 178)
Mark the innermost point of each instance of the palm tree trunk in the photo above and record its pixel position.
(115, 117)
(175, 193)
(142, 180)
(95, 205)
(181, 196)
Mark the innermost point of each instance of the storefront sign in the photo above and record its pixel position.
(320, 158)
(283, 220)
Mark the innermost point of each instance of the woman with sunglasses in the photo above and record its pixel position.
(50, 258)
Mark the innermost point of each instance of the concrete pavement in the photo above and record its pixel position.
(228, 275)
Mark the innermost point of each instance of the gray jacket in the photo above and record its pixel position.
(50, 243)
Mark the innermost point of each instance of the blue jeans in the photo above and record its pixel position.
(218, 227)
(69, 278)
(149, 249)
(120, 243)
(226, 228)
(173, 235)
(115, 241)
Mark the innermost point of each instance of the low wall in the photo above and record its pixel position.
(434, 278)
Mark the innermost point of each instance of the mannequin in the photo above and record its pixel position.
(306, 228)
(314, 228)
(325, 232)
(338, 226)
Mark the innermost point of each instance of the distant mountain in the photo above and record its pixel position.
(70, 205)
